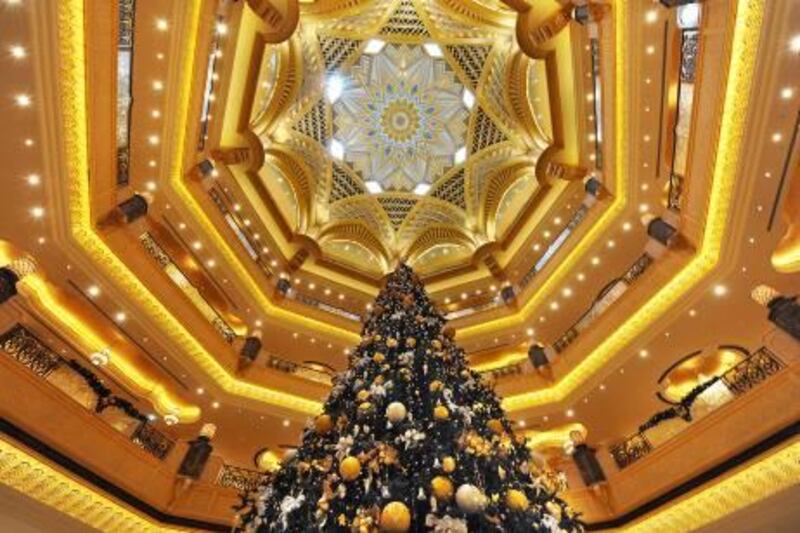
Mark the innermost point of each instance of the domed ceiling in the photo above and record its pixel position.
(403, 130)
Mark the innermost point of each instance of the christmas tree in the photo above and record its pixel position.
(410, 440)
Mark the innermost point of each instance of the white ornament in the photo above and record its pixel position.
(470, 499)
(395, 412)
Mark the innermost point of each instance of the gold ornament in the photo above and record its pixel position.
(495, 426)
(442, 488)
(364, 407)
(378, 358)
(470, 499)
(437, 344)
(436, 386)
(440, 412)
(516, 500)
(448, 464)
(395, 518)
(350, 468)
(395, 412)
(449, 332)
(363, 395)
(554, 509)
(391, 342)
(323, 424)
(377, 338)
(411, 342)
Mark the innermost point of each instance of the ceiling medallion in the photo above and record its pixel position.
(400, 117)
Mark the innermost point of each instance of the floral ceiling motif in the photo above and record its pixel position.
(400, 116)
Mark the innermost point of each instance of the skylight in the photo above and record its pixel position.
(374, 46)
(422, 188)
(373, 187)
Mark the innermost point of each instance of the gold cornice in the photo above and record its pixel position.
(73, 100)
(764, 478)
(746, 34)
(35, 479)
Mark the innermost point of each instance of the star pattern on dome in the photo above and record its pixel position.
(400, 117)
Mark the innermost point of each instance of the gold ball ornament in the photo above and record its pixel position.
(442, 488)
(554, 509)
(363, 395)
(391, 342)
(364, 407)
(448, 464)
(437, 344)
(516, 500)
(378, 380)
(395, 412)
(440, 412)
(350, 468)
(395, 518)
(436, 386)
(411, 342)
(470, 499)
(495, 426)
(377, 338)
(378, 358)
(323, 424)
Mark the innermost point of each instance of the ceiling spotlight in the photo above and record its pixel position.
(787, 93)
(286, 423)
(120, 316)
(554, 306)
(650, 49)
(215, 405)
(197, 245)
(643, 353)
(28, 142)
(794, 44)
(581, 276)
(23, 100)
(211, 263)
(18, 52)
(200, 390)
(37, 211)
(374, 46)
(153, 139)
(529, 332)
(570, 413)
(567, 292)
(595, 260)
(611, 244)
(626, 226)
(34, 180)
(158, 85)
(720, 290)
(777, 137)
(162, 25)
(651, 16)
(93, 291)
(221, 28)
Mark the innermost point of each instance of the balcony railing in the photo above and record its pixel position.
(241, 479)
(26, 348)
(736, 381)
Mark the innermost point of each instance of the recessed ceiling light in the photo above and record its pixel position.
(93, 291)
(567, 292)
(787, 93)
(651, 16)
(197, 245)
(643, 353)
(422, 189)
(28, 142)
(160, 56)
(153, 139)
(644, 208)
(120, 316)
(692, 312)
(221, 28)
(182, 225)
(581, 276)
(200, 390)
(650, 49)
(158, 85)
(595, 260)
(286, 423)
(794, 44)
(720, 290)
(611, 244)
(23, 100)
(162, 24)
(777, 137)
(37, 211)
(433, 49)
(626, 226)
(211, 263)
(337, 149)
(570, 413)
(151, 185)
(373, 187)
(34, 180)
(152, 163)
(18, 52)
(215, 405)
(374, 46)
(536, 247)
(602, 387)
(246, 222)
(554, 306)
(529, 332)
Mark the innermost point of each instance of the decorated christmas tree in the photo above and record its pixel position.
(410, 440)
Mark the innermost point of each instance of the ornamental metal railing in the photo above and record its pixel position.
(27, 349)
(738, 380)
(682, 129)
(242, 479)
(125, 23)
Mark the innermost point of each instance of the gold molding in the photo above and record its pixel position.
(35, 479)
(746, 34)
(766, 477)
